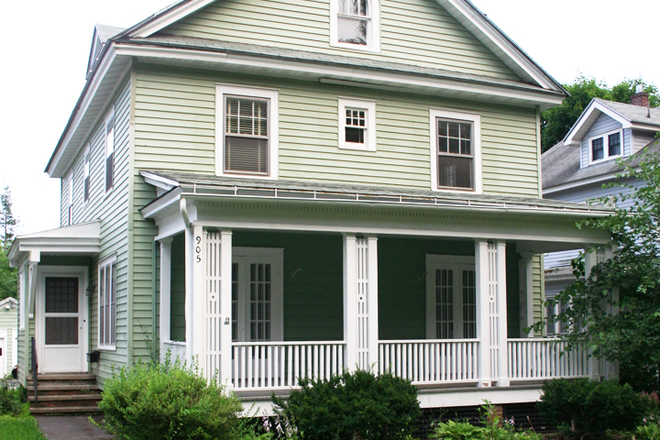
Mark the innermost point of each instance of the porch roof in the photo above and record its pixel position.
(204, 185)
(82, 240)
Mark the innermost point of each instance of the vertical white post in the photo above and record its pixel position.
(372, 300)
(198, 343)
(165, 292)
(225, 307)
(189, 265)
(350, 301)
(503, 368)
(483, 315)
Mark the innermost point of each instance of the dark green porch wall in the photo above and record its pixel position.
(178, 290)
(64, 260)
(313, 282)
(512, 291)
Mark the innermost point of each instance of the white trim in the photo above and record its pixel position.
(364, 77)
(475, 120)
(69, 207)
(167, 17)
(370, 130)
(606, 146)
(271, 95)
(373, 33)
(87, 168)
(110, 148)
(158, 181)
(585, 118)
(22, 309)
(107, 262)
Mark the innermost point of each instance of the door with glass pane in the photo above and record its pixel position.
(451, 297)
(62, 322)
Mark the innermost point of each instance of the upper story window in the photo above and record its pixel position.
(109, 151)
(355, 24)
(86, 178)
(248, 145)
(606, 146)
(456, 151)
(357, 124)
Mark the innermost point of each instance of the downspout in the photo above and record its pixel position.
(183, 207)
(154, 280)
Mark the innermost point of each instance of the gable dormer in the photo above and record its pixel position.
(102, 34)
(609, 130)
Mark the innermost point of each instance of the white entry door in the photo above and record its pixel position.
(62, 333)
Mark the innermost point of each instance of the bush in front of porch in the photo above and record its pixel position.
(356, 405)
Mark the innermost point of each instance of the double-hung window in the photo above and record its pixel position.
(69, 208)
(357, 124)
(606, 146)
(455, 151)
(108, 303)
(355, 24)
(248, 144)
(86, 178)
(109, 151)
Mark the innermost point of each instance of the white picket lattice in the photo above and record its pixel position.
(213, 352)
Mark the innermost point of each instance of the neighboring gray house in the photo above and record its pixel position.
(576, 169)
(8, 335)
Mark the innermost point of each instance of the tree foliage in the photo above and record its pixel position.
(8, 224)
(616, 308)
(556, 122)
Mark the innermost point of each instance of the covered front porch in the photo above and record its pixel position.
(263, 290)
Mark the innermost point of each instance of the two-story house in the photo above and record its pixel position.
(576, 169)
(291, 188)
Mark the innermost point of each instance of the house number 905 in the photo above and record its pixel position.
(198, 249)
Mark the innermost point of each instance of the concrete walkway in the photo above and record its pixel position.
(71, 428)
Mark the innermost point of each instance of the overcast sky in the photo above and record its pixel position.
(44, 46)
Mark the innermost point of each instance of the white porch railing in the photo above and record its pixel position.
(273, 365)
(534, 359)
(176, 349)
(430, 361)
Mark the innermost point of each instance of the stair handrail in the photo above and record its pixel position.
(35, 367)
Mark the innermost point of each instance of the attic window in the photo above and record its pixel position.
(606, 146)
(355, 24)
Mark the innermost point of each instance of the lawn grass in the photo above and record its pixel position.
(20, 428)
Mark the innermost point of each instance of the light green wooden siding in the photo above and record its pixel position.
(308, 133)
(418, 32)
(313, 282)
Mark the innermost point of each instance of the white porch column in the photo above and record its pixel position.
(360, 301)
(502, 321)
(189, 265)
(225, 307)
(165, 291)
(198, 343)
(483, 311)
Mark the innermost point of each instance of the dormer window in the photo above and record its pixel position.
(355, 24)
(606, 146)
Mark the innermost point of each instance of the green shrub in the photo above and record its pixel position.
(10, 400)
(589, 408)
(165, 401)
(353, 404)
(458, 431)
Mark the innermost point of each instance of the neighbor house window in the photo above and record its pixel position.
(86, 178)
(248, 146)
(606, 146)
(451, 297)
(108, 303)
(355, 24)
(109, 151)
(455, 147)
(357, 124)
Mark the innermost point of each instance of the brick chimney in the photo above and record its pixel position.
(641, 98)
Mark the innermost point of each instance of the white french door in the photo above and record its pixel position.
(451, 297)
(257, 294)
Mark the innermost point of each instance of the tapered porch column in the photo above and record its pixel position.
(165, 291)
(361, 302)
(490, 262)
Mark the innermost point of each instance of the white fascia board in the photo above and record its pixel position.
(169, 17)
(159, 181)
(460, 10)
(162, 204)
(359, 77)
(83, 105)
(584, 122)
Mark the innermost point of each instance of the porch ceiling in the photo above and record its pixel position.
(81, 240)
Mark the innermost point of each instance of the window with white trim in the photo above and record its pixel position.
(257, 294)
(86, 178)
(249, 126)
(109, 151)
(455, 151)
(355, 24)
(108, 303)
(451, 297)
(357, 124)
(606, 146)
